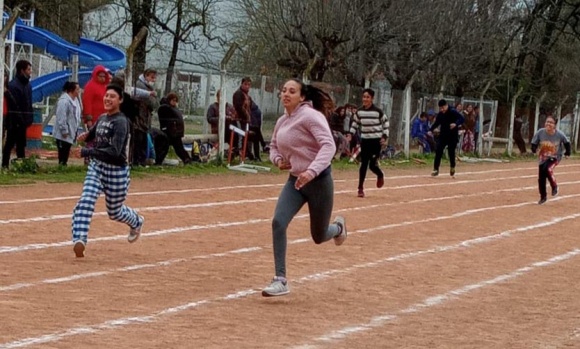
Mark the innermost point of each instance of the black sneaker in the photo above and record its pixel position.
(452, 171)
(555, 191)
(542, 201)
(435, 173)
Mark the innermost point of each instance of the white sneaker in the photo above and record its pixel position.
(278, 287)
(340, 238)
(134, 233)
(79, 248)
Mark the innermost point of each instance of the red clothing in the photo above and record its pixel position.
(93, 95)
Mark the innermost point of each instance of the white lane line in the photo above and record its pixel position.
(433, 301)
(212, 189)
(40, 246)
(335, 335)
(250, 201)
(466, 243)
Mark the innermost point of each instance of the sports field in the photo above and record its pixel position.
(469, 262)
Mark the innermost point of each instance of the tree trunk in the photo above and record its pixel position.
(140, 17)
(527, 36)
(174, 48)
(538, 78)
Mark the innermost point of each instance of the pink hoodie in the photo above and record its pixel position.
(304, 139)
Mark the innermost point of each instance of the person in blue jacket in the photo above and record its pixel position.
(419, 132)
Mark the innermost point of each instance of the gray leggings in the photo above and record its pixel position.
(319, 195)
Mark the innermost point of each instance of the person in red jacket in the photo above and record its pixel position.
(93, 94)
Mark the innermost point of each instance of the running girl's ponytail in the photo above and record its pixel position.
(321, 100)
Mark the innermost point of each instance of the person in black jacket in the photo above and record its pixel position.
(108, 173)
(171, 123)
(256, 131)
(20, 112)
(449, 121)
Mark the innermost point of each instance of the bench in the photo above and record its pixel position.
(208, 137)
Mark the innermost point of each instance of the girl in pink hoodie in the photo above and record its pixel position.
(302, 143)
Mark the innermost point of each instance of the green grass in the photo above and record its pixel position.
(48, 172)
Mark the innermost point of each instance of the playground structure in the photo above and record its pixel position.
(23, 36)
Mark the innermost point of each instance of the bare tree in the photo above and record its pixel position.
(184, 24)
(297, 35)
(545, 24)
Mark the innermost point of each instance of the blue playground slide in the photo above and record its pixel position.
(90, 53)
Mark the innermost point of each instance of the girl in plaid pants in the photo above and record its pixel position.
(108, 173)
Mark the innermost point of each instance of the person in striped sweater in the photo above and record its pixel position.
(374, 131)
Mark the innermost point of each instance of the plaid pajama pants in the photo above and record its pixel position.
(114, 182)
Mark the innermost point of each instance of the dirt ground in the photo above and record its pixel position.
(465, 262)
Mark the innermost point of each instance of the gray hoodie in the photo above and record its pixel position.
(68, 118)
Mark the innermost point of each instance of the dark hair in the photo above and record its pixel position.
(423, 115)
(246, 79)
(321, 100)
(369, 91)
(442, 102)
(22, 65)
(70, 86)
(116, 88)
(172, 95)
(550, 116)
(117, 80)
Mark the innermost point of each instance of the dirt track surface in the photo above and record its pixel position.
(470, 262)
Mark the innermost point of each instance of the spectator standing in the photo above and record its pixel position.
(256, 130)
(108, 172)
(142, 124)
(213, 115)
(242, 104)
(302, 143)
(93, 94)
(374, 131)
(449, 121)
(517, 134)
(468, 141)
(476, 131)
(551, 143)
(68, 119)
(20, 112)
(92, 98)
(130, 104)
(5, 108)
(171, 123)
